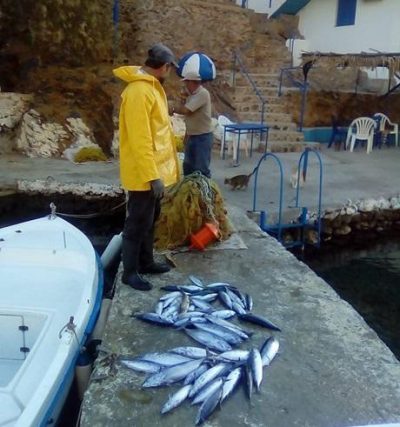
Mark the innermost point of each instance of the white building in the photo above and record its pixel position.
(344, 26)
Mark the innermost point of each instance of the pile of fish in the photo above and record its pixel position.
(209, 375)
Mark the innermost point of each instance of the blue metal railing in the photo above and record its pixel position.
(263, 213)
(304, 157)
(237, 60)
(303, 220)
(301, 85)
(286, 71)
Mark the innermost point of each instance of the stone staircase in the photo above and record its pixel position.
(264, 61)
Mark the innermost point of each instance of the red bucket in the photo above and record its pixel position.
(208, 234)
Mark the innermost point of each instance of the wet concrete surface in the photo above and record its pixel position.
(332, 371)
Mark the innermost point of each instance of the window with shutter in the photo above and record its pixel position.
(346, 13)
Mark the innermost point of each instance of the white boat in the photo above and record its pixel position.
(50, 295)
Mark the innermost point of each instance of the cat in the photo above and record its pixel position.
(239, 181)
(294, 175)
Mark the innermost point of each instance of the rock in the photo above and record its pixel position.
(311, 236)
(83, 136)
(342, 231)
(12, 107)
(383, 203)
(330, 215)
(38, 138)
(367, 205)
(115, 144)
(395, 203)
(356, 218)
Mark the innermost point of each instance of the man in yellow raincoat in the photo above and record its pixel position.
(148, 160)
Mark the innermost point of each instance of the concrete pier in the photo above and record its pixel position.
(332, 370)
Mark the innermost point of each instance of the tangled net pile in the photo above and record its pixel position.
(186, 207)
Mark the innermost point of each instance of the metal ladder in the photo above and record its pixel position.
(303, 222)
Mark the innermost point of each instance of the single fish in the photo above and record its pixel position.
(224, 323)
(164, 359)
(238, 308)
(155, 319)
(225, 299)
(172, 374)
(216, 371)
(202, 305)
(191, 314)
(176, 399)
(209, 340)
(235, 297)
(258, 320)
(218, 285)
(269, 350)
(159, 308)
(141, 365)
(249, 302)
(171, 295)
(231, 381)
(191, 288)
(192, 377)
(208, 407)
(182, 323)
(208, 297)
(207, 391)
(171, 301)
(172, 310)
(234, 356)
(248, 381)
(223, 314)
(185, 303)
(227, 335)
(256, 367)
(192, 352)
(196, 281)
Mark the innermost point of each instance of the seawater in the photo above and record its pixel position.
(369, 279)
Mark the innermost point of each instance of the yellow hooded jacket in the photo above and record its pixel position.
(146, 140)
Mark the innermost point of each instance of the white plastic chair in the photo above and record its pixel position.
(361, 129)
(228, 137)
(384, 121)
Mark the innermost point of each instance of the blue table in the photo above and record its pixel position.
(244, 129)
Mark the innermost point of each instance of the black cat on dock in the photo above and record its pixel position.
(239, 181)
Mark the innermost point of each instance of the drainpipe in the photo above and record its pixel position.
(116, 16)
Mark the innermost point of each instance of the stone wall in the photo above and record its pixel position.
(184, 25)
(42, 32)
(322, 105)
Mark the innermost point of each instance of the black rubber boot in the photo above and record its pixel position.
(136, 281)
(155, 268)
(131, 276)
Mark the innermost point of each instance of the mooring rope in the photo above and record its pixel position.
(85, 216)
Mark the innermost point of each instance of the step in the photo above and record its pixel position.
(261, 68)
(269, 117)
(248, 89)
(264, 80)
(275, 135)
(256, 108)
(251, 98)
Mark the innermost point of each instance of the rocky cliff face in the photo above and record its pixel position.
(56, 50)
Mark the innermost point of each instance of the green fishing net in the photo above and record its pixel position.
(186, 207)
